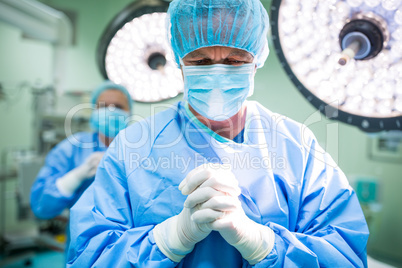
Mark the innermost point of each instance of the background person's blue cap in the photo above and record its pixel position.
(106, 85)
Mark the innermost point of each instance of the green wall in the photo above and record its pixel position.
(29, 60)
(22, 62)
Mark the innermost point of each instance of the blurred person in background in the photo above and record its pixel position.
(71, 165)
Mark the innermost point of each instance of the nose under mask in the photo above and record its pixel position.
(109, 121)
(218, 91)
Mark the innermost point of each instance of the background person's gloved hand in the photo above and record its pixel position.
(213, 195)
(71, 181)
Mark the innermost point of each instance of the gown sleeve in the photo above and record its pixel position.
(46, 200)
(101, 225)
(331, 230)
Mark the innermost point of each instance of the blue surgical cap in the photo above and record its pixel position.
(106, 85)
(242, 24)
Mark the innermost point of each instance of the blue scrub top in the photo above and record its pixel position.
(287, 183)
(46, 200)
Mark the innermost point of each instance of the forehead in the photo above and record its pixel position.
(112, 95)
(208, 52)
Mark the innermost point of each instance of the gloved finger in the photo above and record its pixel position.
(200, 174)
(95, 158)
(97, 161)
(224, 182)
(92, 171)
(201, 195)
(94, 164)
(221, 203)
(206, 216)
(194, 179)
(225, 222)
(96, 155)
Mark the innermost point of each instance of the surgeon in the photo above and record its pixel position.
(216, 180)
(70, 167)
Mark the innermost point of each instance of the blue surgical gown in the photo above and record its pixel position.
(287, 183)
(46, 200)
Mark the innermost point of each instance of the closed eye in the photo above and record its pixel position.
(118, 106)
(201, 62)
(235, 62)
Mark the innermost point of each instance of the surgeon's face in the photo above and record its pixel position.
(113, 97)
(218, 55)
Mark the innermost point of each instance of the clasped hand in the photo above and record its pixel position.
(213, 192)
(212, 204)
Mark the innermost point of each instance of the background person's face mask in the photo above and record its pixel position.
(218, 91)
(109, 120)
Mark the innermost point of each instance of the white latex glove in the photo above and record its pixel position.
(215, 203)
(178, 235)
(216, 176)
(71, 181)
(212, 190)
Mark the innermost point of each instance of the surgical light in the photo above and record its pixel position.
(134, 51)
(345, 57)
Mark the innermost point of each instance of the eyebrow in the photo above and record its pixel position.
(241, 53)
(198, 54)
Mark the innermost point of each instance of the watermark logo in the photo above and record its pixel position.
(264, 131)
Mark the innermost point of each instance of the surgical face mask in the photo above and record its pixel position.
(218, 91)
(109, 121)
